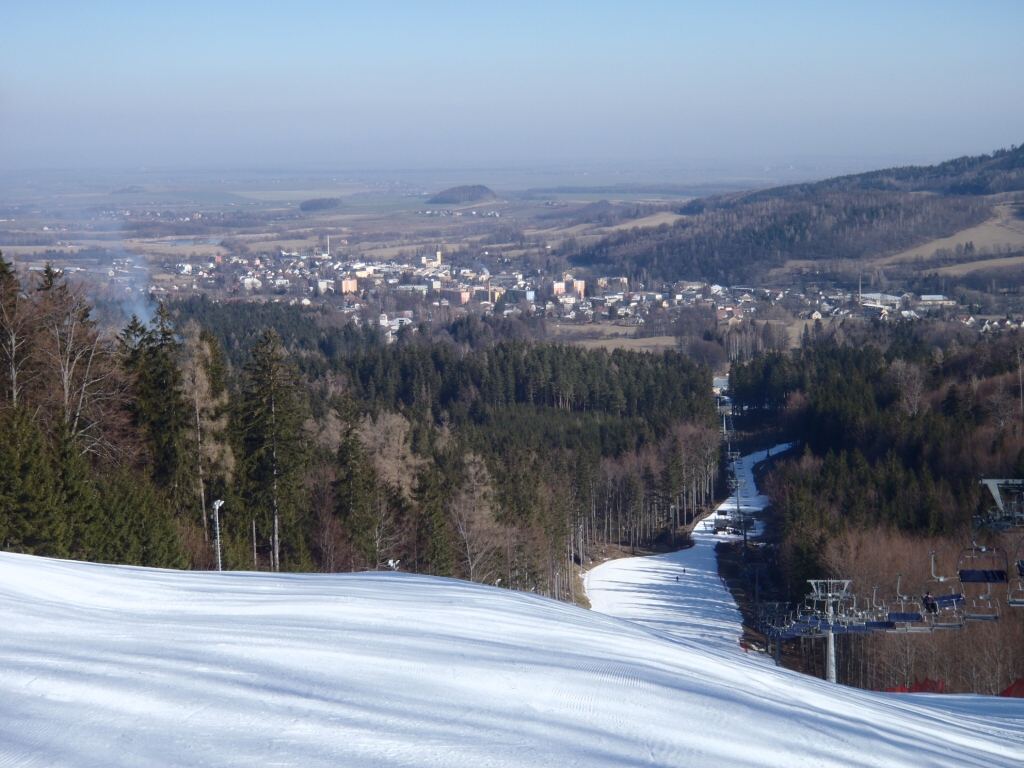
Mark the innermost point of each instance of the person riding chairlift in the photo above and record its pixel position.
(929, 603)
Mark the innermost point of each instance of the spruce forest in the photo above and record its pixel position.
(468, 449)
(897, 423)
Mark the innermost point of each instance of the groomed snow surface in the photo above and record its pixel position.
(117, 666)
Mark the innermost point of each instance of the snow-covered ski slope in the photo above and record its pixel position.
(117, 666)
(742, 710)
(698, 607)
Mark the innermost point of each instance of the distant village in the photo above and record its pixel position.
(400, 293)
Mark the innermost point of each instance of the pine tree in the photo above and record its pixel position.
(354, 488)
(116, 534)
(159, 406)
(435, 530)
(272, 449)
(135, 524)
(672, 481)
(77, 499)
(31, 520)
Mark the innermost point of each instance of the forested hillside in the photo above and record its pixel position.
(739, 237)
(73, 479)
(897, 425)
(462, 450)
(470, 450)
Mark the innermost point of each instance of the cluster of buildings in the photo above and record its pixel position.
(433, 282)
(449, 212)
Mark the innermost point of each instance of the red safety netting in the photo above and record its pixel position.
(920, 686)
(1015, 691)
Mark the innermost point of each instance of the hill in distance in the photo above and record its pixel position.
(320, 204)
(470, 193)
(739, 237)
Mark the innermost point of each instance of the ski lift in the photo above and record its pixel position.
(722, 521)
(856, 618)
(978, 568)
(946, 607)
(1015, 589)
(879, 620)
(909, 615)
(1007, 513)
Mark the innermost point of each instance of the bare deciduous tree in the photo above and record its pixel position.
(386, 442)
(211, 455)
(909, 380)
(384, 532)
(1002, 404)
(481, 538)
(77, 361)
(18, 323)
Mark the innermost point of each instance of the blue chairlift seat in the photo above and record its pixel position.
(904, 617)
(982, 576)
(880, 626)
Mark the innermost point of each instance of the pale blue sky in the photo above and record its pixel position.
(494, 84)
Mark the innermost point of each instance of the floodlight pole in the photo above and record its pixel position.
(216, 523)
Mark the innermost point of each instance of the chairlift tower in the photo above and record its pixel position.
(736, 483)
(833, 593)
(1008, 512)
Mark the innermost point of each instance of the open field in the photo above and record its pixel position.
(654, 220)
(649, 344)
(974, 266)
(174, 248)
(608, 336)
(18, 252)
(576, 229)
(1003, 230)
(299, 195)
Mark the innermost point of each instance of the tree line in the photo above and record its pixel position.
(464, 449)
(740, 238)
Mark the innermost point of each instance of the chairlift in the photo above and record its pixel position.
(878, 620)
(1008, 512)
(1015, 589)
(946, 609)
(978, 568)
(856, 617)
(909, 615)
